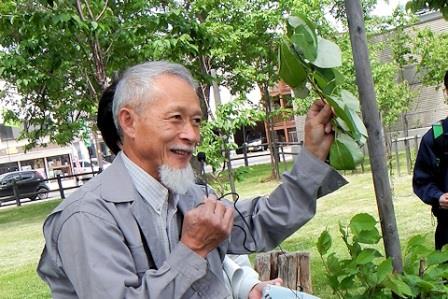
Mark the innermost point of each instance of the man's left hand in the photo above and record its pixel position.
(318, 130)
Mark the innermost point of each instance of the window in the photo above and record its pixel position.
(6, 132)
(27, 175)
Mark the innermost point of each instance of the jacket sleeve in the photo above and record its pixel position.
(272, 219)
(425, 172)
(101, 265)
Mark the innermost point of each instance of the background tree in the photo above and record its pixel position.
(418, 5)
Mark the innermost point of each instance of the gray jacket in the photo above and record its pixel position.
(101, 244)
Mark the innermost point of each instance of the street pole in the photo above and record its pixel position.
(375, 141)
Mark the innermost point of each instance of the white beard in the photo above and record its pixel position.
(177, 180)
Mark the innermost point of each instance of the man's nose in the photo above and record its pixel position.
(190, 132)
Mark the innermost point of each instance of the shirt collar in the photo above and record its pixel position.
(149, 188)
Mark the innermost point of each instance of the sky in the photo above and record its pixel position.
(385, 8)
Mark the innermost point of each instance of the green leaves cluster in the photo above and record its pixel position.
(216, 134)
(308, 61)
(418, 5)
(367, 274)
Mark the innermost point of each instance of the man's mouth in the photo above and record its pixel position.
(182, 152)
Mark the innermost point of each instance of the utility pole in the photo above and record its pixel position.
(375, 141)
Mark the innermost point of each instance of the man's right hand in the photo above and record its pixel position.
(206, 226)
(443, 201)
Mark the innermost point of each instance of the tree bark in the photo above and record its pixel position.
(271, 139)
(375, 140)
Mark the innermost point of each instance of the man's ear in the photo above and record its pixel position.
(128, 120)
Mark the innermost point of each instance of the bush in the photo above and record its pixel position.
(366, 273)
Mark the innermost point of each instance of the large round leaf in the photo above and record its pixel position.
(328, 54)
(301, 91)
(345, 153)
(304, 42)
(291, 70)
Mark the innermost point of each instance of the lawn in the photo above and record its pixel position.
(22, 241)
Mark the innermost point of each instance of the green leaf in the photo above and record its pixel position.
(325, 79)
(304, 42)
(301, 91)
(361, 222)
(369, 237)
(437, 257)
(425, 286)
(384, 269)
(356, 127)
(350, 100)
(398, 286)
(324, 242)
(334, 265)
(328, 54)
(367, 256)
(291, 69)
(347, 282)
(295, 21)
(345, 153)
(94, 25)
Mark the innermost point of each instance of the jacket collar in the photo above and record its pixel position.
(116, 183)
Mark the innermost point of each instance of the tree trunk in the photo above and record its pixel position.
(271, 137)
(375, 140)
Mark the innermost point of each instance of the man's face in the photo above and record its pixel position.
(166, 130)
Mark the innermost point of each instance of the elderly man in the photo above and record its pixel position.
(143, 229)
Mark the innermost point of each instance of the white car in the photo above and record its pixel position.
(90, 169)
(256, 145)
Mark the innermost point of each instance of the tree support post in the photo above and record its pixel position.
(375, 140)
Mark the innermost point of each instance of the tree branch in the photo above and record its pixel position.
(89, 10)
(102, 12)
(79, 9)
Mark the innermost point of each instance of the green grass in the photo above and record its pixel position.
(21, 243)
(21, 239)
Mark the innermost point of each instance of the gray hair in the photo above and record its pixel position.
(138, 81)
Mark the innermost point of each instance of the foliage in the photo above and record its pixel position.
(58, 55)
(419, 5)
(307, 60)
(54, 55)
(367, 274)
(430, 48)
(217, 132)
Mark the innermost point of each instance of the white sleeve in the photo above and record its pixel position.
(240, 275)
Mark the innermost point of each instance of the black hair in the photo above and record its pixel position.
(446, 80)
(105, 119)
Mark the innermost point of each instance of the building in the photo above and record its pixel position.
(50, 160)
(429, 105)
(286, 128)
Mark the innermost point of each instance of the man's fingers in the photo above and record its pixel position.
(209, 205)
(324, 114)
(328, 128)
(220, 209)
(228, 217)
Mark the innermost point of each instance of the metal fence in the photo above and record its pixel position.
(402, 153)
(59, 182)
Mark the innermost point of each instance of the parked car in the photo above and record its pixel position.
(256, 144)
(84, 169)
(29, 184)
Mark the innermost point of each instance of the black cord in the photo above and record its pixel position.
(250, 232)
(244, 221)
